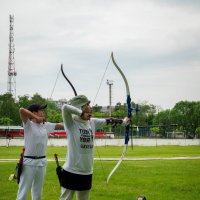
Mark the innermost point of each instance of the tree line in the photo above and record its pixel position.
(184, 117)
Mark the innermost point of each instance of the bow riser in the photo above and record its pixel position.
(127, 128)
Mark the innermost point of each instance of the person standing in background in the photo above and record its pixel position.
(8, 136)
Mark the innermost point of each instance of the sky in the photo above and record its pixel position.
(156, 43)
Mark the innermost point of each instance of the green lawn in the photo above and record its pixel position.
(114, 151)
(156, 179)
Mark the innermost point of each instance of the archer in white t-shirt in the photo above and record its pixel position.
(36, 132)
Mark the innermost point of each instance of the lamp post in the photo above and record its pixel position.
(110, 83)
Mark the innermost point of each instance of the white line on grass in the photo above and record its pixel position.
(116, 159)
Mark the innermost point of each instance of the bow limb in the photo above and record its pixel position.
(122, 74)
(129, 116)
(75, 93)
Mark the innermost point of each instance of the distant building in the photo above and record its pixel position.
(59, 102)
(105, 109)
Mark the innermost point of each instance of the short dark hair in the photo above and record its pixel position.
(35, 107)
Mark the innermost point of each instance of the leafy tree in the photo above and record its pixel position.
(197, 131)
(24, 101)
(100, 114)
(96, 108)
(145, 114)
(37, 98)
(120, 110)
(164, 121)
(53, 112)
(5, 121)
(187, 114)
(155, 130)
(8, 109)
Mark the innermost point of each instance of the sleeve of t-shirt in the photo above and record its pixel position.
(67, 112)
(99, 122)
(25, 125)
(50, 127)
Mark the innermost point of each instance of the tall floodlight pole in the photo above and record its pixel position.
(11, 85)
(110, 83)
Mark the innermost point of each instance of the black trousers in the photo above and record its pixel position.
(75, 181)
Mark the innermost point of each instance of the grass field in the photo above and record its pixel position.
(156, 179)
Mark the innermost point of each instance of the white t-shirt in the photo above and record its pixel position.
(36, 137)
(80, 134)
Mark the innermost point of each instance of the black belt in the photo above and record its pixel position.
(35, 157)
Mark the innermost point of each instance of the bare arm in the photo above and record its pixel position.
(26, 114)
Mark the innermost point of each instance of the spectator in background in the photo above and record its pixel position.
(8, 136)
